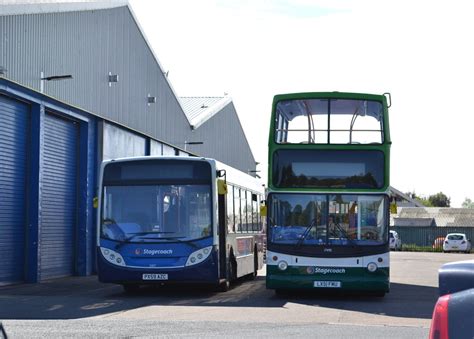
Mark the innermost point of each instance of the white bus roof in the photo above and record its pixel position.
(233, 175)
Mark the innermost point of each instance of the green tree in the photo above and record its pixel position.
(468, 203)
(440, 200)
(423, 200)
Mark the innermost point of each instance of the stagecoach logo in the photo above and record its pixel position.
(157, 252)
(138, 251)
(328, 270)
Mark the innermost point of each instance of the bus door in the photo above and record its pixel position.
(222, 219)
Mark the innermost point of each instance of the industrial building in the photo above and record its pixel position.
(79, 83)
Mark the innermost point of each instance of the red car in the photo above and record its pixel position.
(453, 314)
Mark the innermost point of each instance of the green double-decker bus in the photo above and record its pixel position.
(328, 184)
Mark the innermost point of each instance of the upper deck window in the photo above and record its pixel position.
(329, 121)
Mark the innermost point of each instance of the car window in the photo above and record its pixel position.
(455, 237)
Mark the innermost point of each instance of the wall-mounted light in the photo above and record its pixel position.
(113, 78)
(57, 77)
(52, 78)
(150, 100)
(192, 143)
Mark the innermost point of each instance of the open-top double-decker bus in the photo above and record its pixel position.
(328, 182)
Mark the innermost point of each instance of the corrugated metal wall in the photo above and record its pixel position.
(59, 198)
(425, 236)
(224, 138)
(13, 168)
(90, 44)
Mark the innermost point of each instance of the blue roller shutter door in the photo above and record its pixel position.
(13, 140)
(58, 198)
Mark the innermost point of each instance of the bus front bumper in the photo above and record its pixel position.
(347, 279)
(203, 273)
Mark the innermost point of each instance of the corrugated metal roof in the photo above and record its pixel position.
(443, 216)
(18, 7)
(406, 200)
(414, 222)
(200, 109)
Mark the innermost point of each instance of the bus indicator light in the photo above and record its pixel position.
(275, 258)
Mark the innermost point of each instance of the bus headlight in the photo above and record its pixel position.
(199, 256)
(372, 267)
(112, 256)
(282, 265)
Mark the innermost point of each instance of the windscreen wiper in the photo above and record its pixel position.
(134, 235)
(127, 239)
(306, 232)
(138, 234)
(344, 233)
(178, 239)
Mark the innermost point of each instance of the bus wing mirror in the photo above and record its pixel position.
(221, 173)
(389, 99)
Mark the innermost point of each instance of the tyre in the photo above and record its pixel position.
(224, 287)
(232, 275)
(253, 275)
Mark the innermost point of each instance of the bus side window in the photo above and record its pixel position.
(249, 211)
(238, 219)
(230, 209)
(259, 217)
(254, 213)
(243, 211)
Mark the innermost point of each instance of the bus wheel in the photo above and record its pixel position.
(253, 275)
(232, 267)
(131, 288)
(224, 287)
